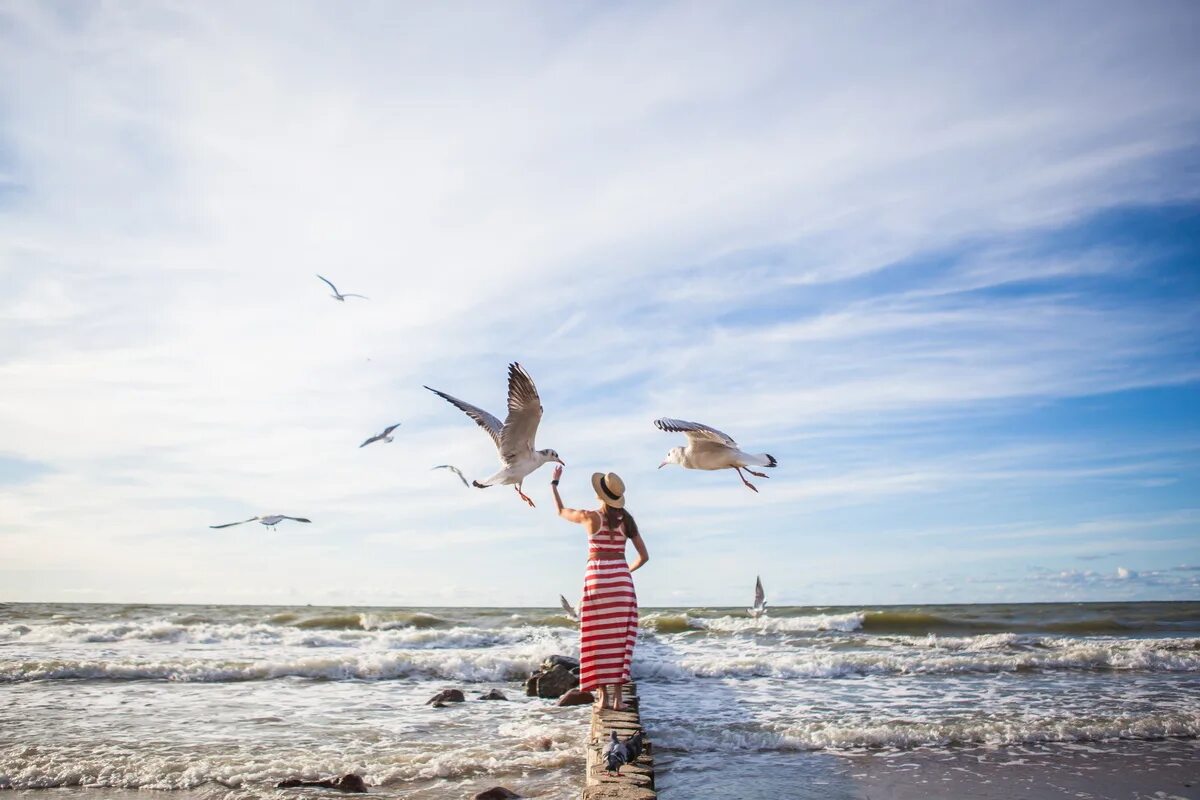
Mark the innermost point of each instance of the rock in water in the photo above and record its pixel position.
(347, 783)
(446, 696)
(494, 694)
(562, 661)
(576, 697)
(496, 793)
(558, 675)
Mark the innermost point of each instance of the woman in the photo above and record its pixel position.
(608, 612)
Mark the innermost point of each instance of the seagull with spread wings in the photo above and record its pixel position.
(270, 520)
(568, 609)
(457, 472)
(386, 436)
(760, 601)
(513, 437)
(341, 298)
(708, 448)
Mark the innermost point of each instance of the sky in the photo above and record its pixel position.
(941, 260)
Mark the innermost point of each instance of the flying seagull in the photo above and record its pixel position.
(385, 436)
(457, 472)
(341, 298)
(760, 601)
(270, 520)
(568, 608)
(514, 437)
(708, 448)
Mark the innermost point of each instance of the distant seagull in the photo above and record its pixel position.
(270, 520)
(760, 601)
(568, 608)
(385, 436)
(457, 472)
(341, 298)
(514, 437)
(708, 448)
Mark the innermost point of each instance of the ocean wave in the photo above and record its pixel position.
(468, 666)
(387, 634)
(660, 622)
(896, 734)
(1064, 654)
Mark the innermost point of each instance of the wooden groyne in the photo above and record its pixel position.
(635, 780)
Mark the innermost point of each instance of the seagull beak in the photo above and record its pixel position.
(559, 460)
(660, 466)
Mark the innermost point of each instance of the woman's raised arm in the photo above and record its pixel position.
(569, 514)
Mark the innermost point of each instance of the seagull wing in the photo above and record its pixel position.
(374, 438)
(331, 286)
(457, 472)
(485, 420)
(294, 519)
(695, 431)
(231, 524)
(524, 414)
(759, 595)
(567, 607)
(388, 430)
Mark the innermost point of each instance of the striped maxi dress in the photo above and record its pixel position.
(608, 613)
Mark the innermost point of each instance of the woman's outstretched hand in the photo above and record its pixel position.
(557, 472)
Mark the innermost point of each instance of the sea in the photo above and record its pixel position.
(1032, 700)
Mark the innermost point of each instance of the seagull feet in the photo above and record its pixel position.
(749, 485)
(756, 474)
(525, 497)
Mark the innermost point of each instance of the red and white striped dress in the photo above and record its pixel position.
(608, 613)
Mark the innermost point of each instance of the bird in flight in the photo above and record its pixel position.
(457, 472)
(760, 601)
(708, 448)
(341, 298)
(568, 608)
(385, 436)
(270, 520)
(514, 437)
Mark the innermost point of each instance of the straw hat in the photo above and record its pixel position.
(609, 488)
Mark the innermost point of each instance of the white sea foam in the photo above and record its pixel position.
(985, 656)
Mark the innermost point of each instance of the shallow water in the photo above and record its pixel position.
(222, 702)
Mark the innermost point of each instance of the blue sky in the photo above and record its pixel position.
(942, 262)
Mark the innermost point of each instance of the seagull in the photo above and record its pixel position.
(457, 472)
(385, 436)
(341, 298)
(708, 448)
(270, 520)
(760, 601)
(514, 437)
(568, 608)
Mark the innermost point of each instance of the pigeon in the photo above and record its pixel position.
(613, 753)
(616, 753)
(760, 601)
(270, 520)
(386, 436)
(341, 298)
(457, 472)
(568, 608)
(708, 448)
(514, 437)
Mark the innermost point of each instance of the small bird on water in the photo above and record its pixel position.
(760, 601)
(270, 520)
(709, 449)
(514, 437)
(341, 298)
(386, 436)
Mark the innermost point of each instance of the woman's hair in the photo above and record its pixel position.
(615, 516)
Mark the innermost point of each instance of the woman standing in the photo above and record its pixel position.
(608, 611)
